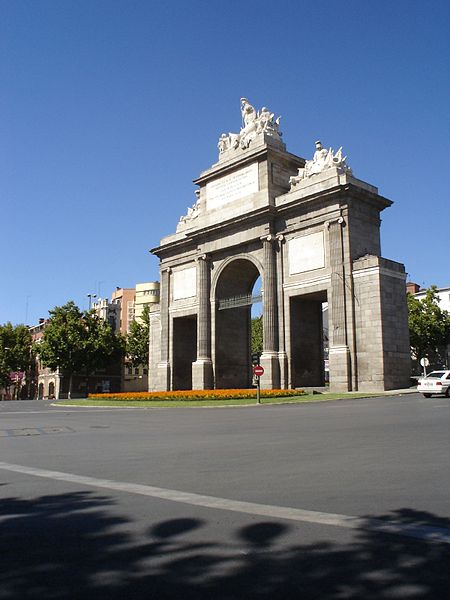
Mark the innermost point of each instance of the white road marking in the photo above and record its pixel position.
(65, 411)
(421, 532)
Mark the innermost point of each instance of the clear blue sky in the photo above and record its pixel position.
(109, 110)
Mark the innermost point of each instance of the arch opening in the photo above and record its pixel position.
(235, 296)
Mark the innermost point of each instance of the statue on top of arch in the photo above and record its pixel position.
(253, 123)
(322, 160)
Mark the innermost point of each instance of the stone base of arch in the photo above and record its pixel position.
(340, 366)
(202, 374)
(271, 365)
(163, 371)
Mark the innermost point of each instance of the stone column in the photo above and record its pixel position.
(282, 355)
(339, 352)
(269, 358)
(164, 364)
(202, 368)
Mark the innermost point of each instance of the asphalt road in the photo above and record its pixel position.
(346, 499)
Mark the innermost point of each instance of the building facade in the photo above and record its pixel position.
(124, 298)
(131, 303)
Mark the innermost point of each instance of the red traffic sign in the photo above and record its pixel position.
(258, 370)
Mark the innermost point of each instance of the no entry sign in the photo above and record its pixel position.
(258, 370)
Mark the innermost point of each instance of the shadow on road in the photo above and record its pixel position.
(68, 546)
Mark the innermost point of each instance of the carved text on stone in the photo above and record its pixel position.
(232, 187)
(306, 253)
(185, 283)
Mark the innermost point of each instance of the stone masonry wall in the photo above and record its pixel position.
(369, 342)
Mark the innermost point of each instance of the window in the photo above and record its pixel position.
(146, 373)
(136, 371)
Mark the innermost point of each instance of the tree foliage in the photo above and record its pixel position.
(429, 327)
(15, 351)
(137, 343)
(78, 342)
(257, 334)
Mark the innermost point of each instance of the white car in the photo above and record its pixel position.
(436, 382)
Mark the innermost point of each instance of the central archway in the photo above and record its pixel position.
(233, 301)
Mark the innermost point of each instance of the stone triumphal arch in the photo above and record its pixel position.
(311, 230)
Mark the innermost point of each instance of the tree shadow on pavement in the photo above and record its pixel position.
(72, 546)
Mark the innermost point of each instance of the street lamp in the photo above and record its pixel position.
(91, 297)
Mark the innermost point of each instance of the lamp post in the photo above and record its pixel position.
(91, 297)
(5, 350)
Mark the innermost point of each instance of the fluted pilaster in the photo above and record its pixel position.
(338, 292)
(203, 318)
(164, 303)
(270, 295)
(202, 374)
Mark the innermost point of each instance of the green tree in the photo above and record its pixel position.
(77, 342)
(137, 344)
(429, 327)
(257, 334)
(15, 353)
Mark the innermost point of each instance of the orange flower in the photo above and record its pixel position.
(198, 395)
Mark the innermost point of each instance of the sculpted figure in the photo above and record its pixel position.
(319, 161)
(223, 143)
(265, 119)
(248, 113)
(192, 212)
(249, 120)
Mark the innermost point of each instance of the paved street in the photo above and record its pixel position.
(345, 499)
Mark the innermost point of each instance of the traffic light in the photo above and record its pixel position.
(255, 358)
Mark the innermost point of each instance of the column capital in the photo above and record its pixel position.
(281, 238)
(201, 257)
(268, 238)
(168, 270)
(339, 220)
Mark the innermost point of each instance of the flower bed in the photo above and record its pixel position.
(197, 395)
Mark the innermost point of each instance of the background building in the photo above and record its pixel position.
(146, 294)
(108, 311)
(125, 306)
(135, 377)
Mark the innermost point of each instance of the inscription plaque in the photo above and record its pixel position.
(185, 283)
(232, 187)
(306, 253)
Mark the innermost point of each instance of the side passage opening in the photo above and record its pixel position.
(184, 351)
(309, 340)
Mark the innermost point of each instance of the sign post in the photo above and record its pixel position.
(424, 362)
(258, 370)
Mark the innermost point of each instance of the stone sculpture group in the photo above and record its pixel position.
(253, 123)
(323, 159)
